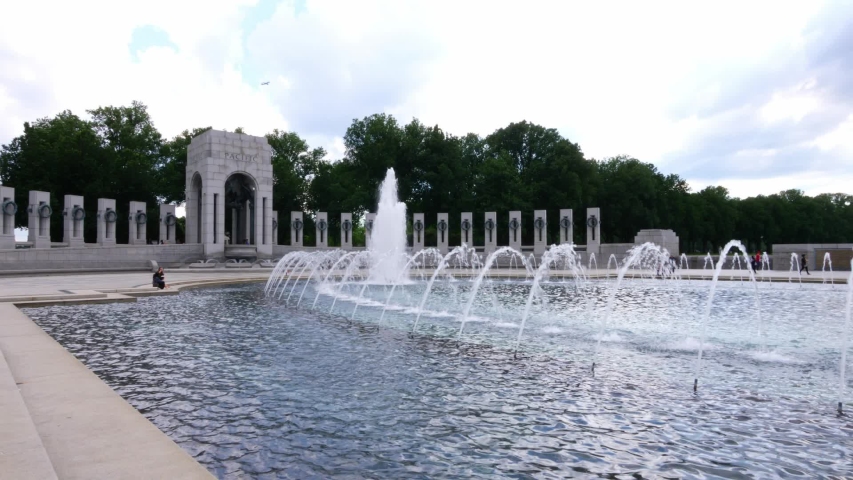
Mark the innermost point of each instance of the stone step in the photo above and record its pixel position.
(22, 453)
(83, 429)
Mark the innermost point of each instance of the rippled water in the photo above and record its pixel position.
(258, 388)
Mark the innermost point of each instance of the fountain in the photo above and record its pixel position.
(827, 260)
(387, 264)
(389, 235)
(387, 364)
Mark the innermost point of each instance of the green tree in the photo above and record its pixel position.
(61, 155)
(294, 165)
(172, 167)
(132, 149)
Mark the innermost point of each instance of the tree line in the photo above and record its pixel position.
(118, 153)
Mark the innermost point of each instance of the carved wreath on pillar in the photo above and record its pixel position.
(10, 207)
(513, 224)
(274, 224)
(296, 224)
(539, 223)
(418, 226)
(171, 220)
(141, 218)
(77, 213)
(322, 225)
(110, 216)
(466, 225)
(346, 225)
(369, 225)
(592, 222)
(442, 226)
(490, 224)
(565, 222)
(45, 211)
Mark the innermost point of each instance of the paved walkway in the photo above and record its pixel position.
(59, 420)
(64, 284)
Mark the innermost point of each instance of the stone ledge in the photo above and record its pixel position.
(22, 454)
(86, 429)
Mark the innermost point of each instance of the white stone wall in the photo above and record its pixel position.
(137, 234)
(167, 232)
(72, 227)
(107, 229)
(39, 227)
(540, 237)
(296, 236)
(346, 236)
(274, 228)
(321, 230)
(7, 222)
(781, 257)
(442, 239)
(97, 257)
(418, 239)
(665, 238)
(214, 156)
(490, 237)
(567, 235)
(515, 235)
(466, 237)
(593, 233)
(368, 228)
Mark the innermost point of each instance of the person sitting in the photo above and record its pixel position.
(159, 280)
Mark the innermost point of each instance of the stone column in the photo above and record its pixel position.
(442, 233)
(346, 231)
(107, 217)
(540, 231)
(39, 219)
(73, 215)
(418, 227)
(466, 225)
(593, 231)
(233, 232)
(368, 229)
(490, 233)
(247, 225)
(515, 229)
(297, 229)
(213, 219)
(192, 210)
(8, 209)
(168, 223)
(137, 221)
(274, 227)
(566, 226)
(322, 230)
(265, 234)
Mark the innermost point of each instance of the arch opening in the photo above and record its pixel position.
(240, 191)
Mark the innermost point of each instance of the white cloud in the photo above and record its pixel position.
(810, 182)
(839, 138)
(664, 81)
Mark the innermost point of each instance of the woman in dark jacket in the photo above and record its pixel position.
(160, 279)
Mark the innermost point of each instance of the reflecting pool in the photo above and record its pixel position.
(254, 387)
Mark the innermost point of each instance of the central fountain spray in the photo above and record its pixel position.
(388, 246)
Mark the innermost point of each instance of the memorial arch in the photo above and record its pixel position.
(229, 195)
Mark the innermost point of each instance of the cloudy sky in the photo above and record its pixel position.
(755, 96)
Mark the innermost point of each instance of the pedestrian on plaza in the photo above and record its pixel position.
(804, 264)
(160, 279)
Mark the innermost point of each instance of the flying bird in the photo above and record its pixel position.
(265, 83)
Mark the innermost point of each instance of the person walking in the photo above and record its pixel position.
(804, 264)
